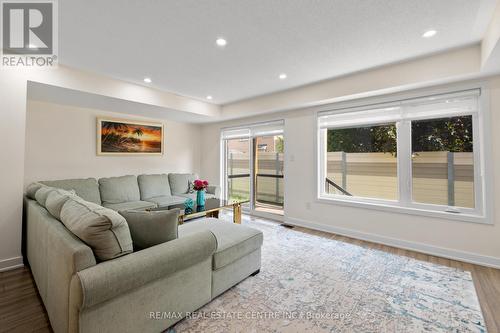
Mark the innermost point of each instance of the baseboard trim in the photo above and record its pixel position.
(270, 216)
(11, 263)
(468, 257)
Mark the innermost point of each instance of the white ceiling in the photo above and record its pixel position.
(173, 41)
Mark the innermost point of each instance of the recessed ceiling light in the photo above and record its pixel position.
(221, 42)
(147, 80)
(282, 76)
(429, 33)
(209, 97)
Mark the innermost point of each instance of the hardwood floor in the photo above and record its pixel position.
(21, 309)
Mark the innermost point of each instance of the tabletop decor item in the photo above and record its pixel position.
(189, 204)
(200, 187)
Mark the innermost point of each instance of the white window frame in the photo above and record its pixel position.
(482, 213)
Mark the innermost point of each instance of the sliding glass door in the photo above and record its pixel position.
(237, 161)
(253, 166)
(268, 173)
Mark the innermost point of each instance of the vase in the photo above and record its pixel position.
(200, 198)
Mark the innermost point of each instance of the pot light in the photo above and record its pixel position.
(147, 80)
(209, 97)
(282, 76)
(221, 42)
(429, 33)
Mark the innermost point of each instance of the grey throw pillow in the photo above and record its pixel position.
(151, 228)
(42, 193)
(103, 229)
(32, 189)
(55, 201)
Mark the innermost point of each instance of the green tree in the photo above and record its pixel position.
(279, 144)
(380, 138)
(446, 134)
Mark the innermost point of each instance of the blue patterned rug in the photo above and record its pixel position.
(309, 283)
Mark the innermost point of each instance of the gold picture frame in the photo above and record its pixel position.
(129, 137)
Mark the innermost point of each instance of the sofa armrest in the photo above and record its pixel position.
(214, 189)
(118, 276)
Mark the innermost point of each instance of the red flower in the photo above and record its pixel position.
(200, 185)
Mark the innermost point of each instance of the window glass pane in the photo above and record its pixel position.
(361, 161)
(238, 169)
(443, 161)
(269, 171)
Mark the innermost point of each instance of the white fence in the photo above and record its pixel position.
(269, 180)
(442, 178)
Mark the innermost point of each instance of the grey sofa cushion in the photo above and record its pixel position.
(104, 230)
(152, 186)
(87, 188)
(130, 205)
(215, 190)
(234, 241)
(119, 189)
(151, 228)
(179, 182)
(55, 201)
(31, 190)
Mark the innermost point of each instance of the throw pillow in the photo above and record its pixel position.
(103, 229)
(32, 188)
(55, 201)
(42, 194)
(151, 228)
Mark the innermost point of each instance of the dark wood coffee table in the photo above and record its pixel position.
(211, 209)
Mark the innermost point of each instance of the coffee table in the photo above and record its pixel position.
(211, 209)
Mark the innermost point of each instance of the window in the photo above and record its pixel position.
(361, 161)
(238, 169)
(262, 147)
(418, 155)
(443, 161)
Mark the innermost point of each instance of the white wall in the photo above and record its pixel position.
(13, 99)
(61, 144)
(463, 240)
(490, 45)
(12, 124)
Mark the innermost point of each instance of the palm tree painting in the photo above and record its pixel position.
(117, 137)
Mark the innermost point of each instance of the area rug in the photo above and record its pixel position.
(309, 283)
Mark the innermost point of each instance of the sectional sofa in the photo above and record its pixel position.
(131, 192)
(126, 294)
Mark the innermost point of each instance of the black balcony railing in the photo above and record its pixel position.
(274, 198)
(329, 182)
(240, 175)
